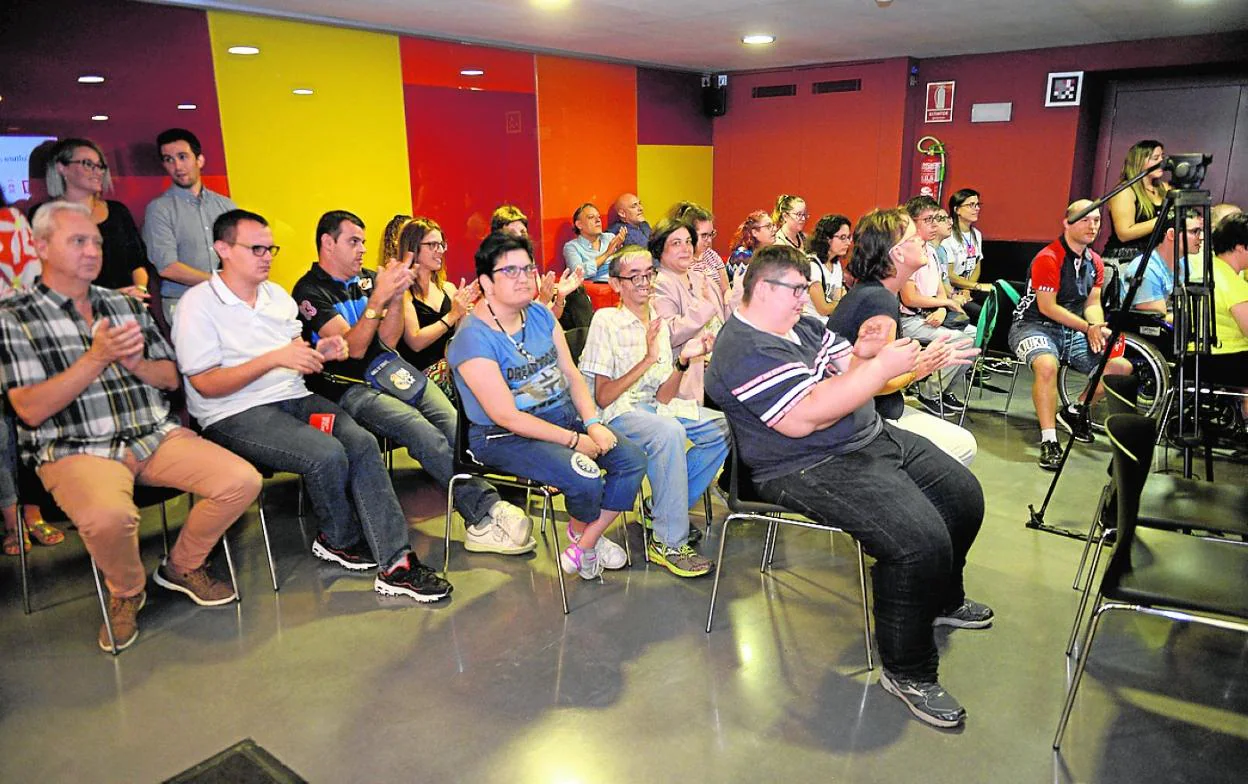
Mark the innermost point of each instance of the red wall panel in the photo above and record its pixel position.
(840, 151)
(438, 63)
(469, 152)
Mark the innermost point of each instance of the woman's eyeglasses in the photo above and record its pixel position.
(89, 165)
(435, 245)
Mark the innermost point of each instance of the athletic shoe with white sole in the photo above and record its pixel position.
(490, 537)
(515, 522)
(610, 554)
(970, 614)
(582, 562)
(927, 700)
(413, 580)
(358, 557)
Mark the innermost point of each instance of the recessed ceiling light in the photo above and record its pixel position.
(472, 72)
(758, 39)
(244, 50)
(90, 79)
(187, 106)
(301, 91)
(99, 117)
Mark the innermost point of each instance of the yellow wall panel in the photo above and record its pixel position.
(293, 157)
(667, 174)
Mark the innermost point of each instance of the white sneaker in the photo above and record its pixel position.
(513, 520)
(489, 537)
(610, 554)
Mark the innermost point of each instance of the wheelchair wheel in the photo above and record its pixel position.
(1150, 368)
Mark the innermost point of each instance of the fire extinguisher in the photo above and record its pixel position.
(931, 167)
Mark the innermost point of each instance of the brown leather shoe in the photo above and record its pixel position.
(124, 614)
(204, 590)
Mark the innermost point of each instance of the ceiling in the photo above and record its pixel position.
(704, 35)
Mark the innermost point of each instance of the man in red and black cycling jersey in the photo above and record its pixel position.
(1060, 319)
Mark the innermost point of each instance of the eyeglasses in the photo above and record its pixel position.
(638, 279)
(515, 271)
(796, 289)
(259, 250)
(942, 218)
(89, 165)
(800, 215)
(436, 245)
(707, 235)
(765, 227)
(974, 205)
(843, 237)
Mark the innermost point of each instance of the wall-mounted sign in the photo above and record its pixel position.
(1064, 89)
(939, 102)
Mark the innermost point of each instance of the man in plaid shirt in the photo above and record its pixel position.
(84, 368)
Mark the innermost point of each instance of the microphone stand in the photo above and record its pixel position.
(1187, 172)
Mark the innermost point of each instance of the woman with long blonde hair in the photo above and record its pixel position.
(1133, 212)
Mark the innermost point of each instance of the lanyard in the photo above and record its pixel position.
(519, 344)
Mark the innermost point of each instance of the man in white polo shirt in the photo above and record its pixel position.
(238, 344)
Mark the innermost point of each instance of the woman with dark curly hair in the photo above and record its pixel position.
(828, 245)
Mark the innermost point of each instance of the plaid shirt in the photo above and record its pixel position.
(41, 335)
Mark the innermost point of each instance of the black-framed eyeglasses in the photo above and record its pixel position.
(707, 235)
(638, 279)
(797, 289)
(799, 215)
(515, 271)
(974, 205)
(435, 244)
(843, 237)
(941, 218)
(89, 165)
(259, 250)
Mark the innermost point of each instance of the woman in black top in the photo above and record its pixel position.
(78, 172)
(1134, 211)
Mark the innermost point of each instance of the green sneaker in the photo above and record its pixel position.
(683, 561)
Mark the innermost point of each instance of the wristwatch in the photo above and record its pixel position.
(681, 365)
(369, 313)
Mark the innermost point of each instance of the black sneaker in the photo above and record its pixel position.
(357, 557)
(1077, 425)
(968, 615)
(952, 403)
(1050, 455)
(413, 580)
(926, 699)
(931, 405)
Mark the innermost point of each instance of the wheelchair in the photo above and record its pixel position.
(1148, 344)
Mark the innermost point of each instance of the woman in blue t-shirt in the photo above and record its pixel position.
(530, 411)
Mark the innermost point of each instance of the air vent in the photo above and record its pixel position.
(774, 91)
(838, 86)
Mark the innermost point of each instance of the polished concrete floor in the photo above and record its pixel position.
(497, 685)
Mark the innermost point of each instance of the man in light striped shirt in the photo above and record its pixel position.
(800, 402)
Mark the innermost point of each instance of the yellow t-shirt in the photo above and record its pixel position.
(1229, 290)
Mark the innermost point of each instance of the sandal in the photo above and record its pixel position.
(46, 534)
(10, 542)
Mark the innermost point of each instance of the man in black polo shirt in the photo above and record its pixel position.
(880, 278)
(1060, 319)
(337, 296)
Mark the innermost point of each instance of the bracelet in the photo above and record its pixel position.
(682, 366)
(576, 438)
(445, 323)
(593, 421)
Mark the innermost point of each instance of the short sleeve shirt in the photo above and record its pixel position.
(1158, 283)
(42, 335)
(527, 359)
(178, 227)
(615, 344)
(758, 377)
(869, 298)
(1229, 290)
(213, 328)
(828, 279)
(1070, 275)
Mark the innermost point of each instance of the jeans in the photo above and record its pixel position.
(915, 510)
(579, 478)
(676, 476)
(427, 430)
(942, 380)
(8, 459)
(342, 472)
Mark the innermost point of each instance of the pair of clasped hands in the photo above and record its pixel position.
(877, 339)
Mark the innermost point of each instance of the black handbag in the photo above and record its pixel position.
(390, 373)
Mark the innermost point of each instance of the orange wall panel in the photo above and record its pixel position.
(587, 142)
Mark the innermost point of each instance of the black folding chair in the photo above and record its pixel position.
(1161, 573)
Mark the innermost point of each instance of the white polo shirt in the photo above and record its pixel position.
(214, 328)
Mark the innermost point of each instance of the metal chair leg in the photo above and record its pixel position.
(229, 564)
(300, 510)
(1079, 668)
(707, 511)
(719, 570)
(1010, 395)
(966, 399)
(866, 611)
(1097, 517)
(769, 548)
(21, 551)
(450, 511)
(164, 528)
(268, 548)
(108, 622)
(563, 589)
(1087, 590)
(628, 547)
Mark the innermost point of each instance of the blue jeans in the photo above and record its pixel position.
(427, 430)
(676, 476)
(915, 510)
(585, 492)
(1030, 339)
(344, 474)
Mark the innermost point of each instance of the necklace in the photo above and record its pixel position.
(519, 344)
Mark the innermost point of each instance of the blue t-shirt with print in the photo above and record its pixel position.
(536, 382)
(1158, 283)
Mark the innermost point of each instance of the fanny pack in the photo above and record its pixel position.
(397, 377)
